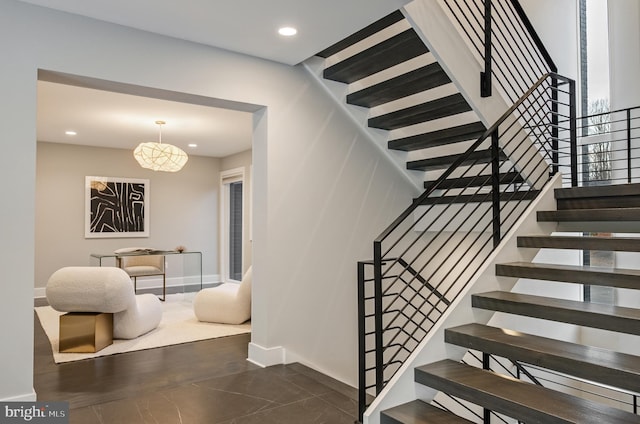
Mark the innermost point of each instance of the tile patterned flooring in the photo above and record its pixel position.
(202, 382)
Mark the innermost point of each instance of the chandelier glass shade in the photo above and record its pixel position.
(160, 156)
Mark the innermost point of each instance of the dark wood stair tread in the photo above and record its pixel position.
(477, 181)
(594, 315)
(465, 132)
(412, 82)
(590, 215)
(614, 190)
(419, 412)
(439, 108)
(509, 196)
(599, 276)
(616, 244)
(587, 362)
(522, 401)
(395, 50)
(440, 162)
(590, 197)
(358, 36)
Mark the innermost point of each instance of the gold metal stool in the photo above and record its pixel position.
(85, 332)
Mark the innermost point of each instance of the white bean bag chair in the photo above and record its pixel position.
(107, 290)
(228, 303)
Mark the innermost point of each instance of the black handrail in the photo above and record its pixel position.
(465, 156)
(532, 32)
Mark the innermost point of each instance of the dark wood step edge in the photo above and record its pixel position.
(419, 412)
(523, 401)
(590, 215)
(599, 276)
(594, 315)
(614, 244)
(360, 35)
(586, 362)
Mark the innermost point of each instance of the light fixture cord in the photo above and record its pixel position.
(160, 134)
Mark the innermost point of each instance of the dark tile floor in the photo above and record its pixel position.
(201, 382)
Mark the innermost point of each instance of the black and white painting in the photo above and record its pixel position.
(116, 207)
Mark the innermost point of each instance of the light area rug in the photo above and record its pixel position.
(178, 325)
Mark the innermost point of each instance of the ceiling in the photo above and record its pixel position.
(103, 118)
(108, 119)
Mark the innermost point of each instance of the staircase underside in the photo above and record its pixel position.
(390, 71)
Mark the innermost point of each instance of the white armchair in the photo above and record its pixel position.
(227, 303)
(104, 290)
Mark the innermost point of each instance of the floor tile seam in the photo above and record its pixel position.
(279, 406)
(318, 377)
(350, 413)
(248, 395)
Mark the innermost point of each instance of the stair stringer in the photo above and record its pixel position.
(433, 25)
(402, 388)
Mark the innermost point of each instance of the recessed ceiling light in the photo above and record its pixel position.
(70, 132)
(192, 145)
(287, 31)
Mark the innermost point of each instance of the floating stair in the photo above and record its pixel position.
(482, 197)
(390, 52)
(525, 401)
(590, 215)
(424, 112)
(392, 71)
(480, 156)
(375, 27)
(586, 362)
(443, 137)
(614, 244)
(477, 181)
(418, 412)
(611, 277)
(595, 315)
(416, 81)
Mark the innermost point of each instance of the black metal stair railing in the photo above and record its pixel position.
(427, 256)
(608, 151)
(505, 42)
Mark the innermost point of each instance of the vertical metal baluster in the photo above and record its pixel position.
(495, 186)
(628, 145)
(485, 77)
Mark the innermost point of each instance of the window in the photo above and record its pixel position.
(232, 216)
(235, 230)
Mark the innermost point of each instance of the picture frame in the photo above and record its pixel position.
(116, 207)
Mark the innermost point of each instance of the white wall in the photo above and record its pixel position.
(556, 22)
(624, 53)
(183, 208)
(321, 190)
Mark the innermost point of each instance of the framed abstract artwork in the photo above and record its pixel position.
(116, 207)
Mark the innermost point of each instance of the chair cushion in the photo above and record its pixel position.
(90, 289)
(141, 270)
(143, 316)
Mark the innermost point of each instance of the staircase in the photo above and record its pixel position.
(601, 208)
(391, 72)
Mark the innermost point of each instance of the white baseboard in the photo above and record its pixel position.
(266, 356)
(27, 397)
(155, 283)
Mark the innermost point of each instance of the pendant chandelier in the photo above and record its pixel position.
(159, 156)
